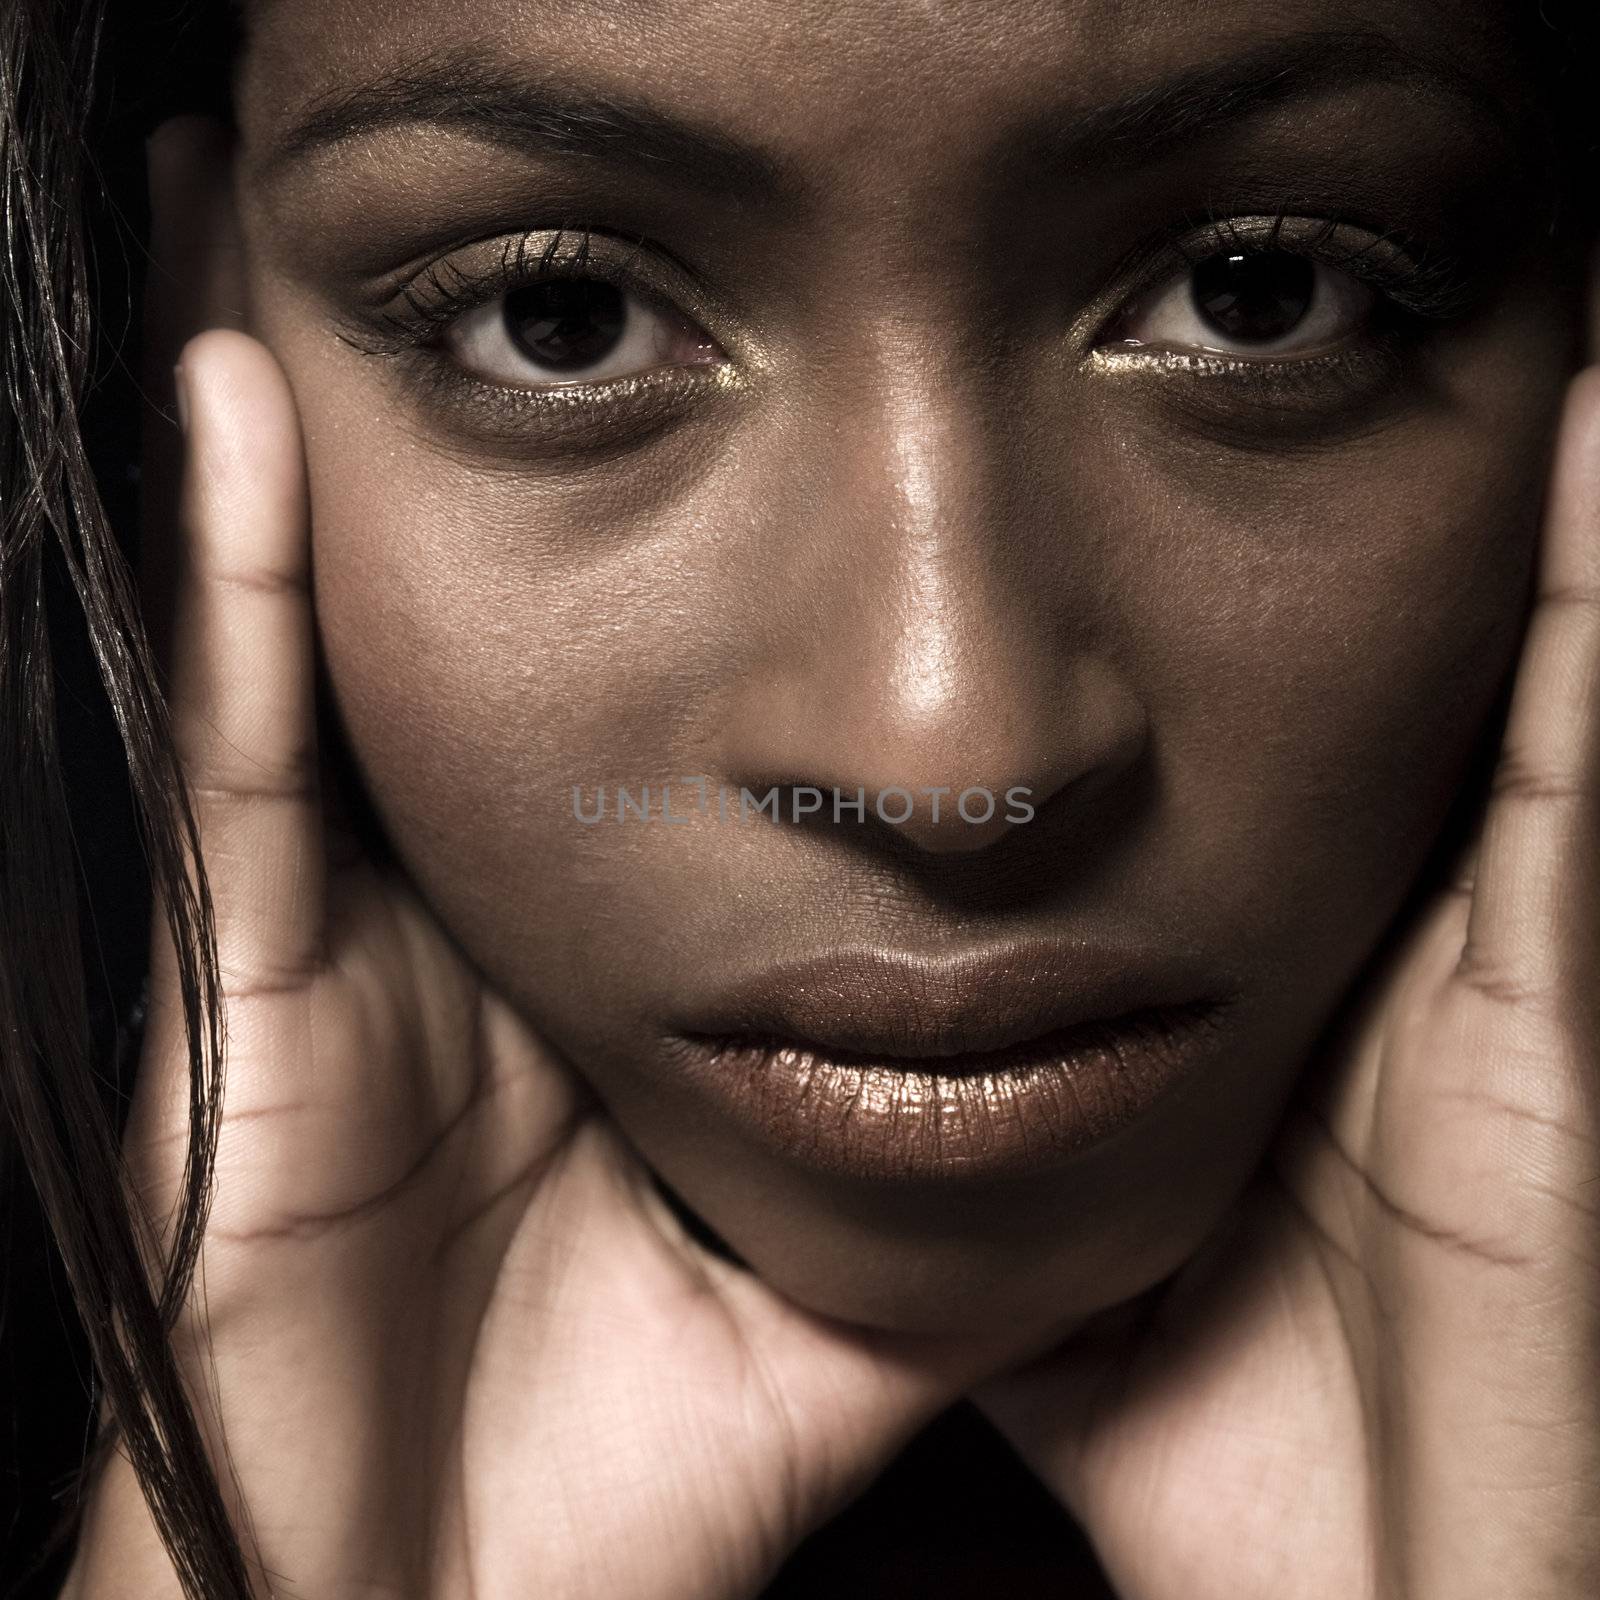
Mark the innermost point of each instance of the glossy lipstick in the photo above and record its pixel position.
(902, 1068)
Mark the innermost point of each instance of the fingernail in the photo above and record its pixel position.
(180, 387)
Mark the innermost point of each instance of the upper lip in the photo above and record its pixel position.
(885, 1004)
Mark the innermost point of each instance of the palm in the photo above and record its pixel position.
(467, 1304)
(362, 1227)
(1378, 1377)
(1230, 1447)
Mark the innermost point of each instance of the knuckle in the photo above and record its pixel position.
(271, 582)
(1492, 978)
(1519, 778)
(222, 773)
(1576, 596)
(263, 979)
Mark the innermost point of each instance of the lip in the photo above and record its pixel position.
(902, 1068)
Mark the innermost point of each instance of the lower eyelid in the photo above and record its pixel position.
(612, 414)
(1221, 364)
(1302, 385)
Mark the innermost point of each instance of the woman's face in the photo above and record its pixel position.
(1139, 407)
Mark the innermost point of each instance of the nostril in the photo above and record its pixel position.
(958, 779)
(945, 817)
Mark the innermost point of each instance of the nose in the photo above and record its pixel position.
(925, 669)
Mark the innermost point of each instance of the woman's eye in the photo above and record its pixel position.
(1266, 303)
(572, 330)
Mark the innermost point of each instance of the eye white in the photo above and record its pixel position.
(482, 341)
(1172, 318)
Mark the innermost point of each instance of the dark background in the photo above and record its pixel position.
(957, 1517)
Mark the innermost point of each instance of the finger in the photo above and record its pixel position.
(1534, 894)
(194, 280)
(243, 665)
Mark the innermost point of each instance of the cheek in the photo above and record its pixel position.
(1316, 638)
(495, 641)
(1321, 645)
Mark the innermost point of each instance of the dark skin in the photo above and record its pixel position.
(902, 505)
(857, 568)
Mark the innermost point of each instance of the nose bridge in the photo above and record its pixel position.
(913, 619)
(935, 485)
(920, 651)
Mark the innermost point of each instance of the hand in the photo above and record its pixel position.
(1383, 1379)
(455, 1343)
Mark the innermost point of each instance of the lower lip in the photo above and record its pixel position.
(985, 1115)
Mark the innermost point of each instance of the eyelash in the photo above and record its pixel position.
(441, 292)
(1408, 274)
(1416, 287)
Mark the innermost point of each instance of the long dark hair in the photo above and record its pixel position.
(62, 572)
(65, 596)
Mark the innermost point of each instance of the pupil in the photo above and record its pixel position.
(567, 323)
(1255, 298)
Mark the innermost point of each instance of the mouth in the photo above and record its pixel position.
(900, 1069)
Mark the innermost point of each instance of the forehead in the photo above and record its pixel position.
(817, 77)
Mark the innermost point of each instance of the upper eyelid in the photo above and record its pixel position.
(1427, 284)
(1435, 289)
(522, 258)
(1394, 269)
(1263, 235)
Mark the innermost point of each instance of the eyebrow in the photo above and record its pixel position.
(1152, 123)
(504, 103)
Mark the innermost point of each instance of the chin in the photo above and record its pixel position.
(1000, 1244)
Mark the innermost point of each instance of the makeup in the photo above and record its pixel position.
(901, 1069)
(924, 499)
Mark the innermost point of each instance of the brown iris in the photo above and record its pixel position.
(566, 323)
(1254, 299)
